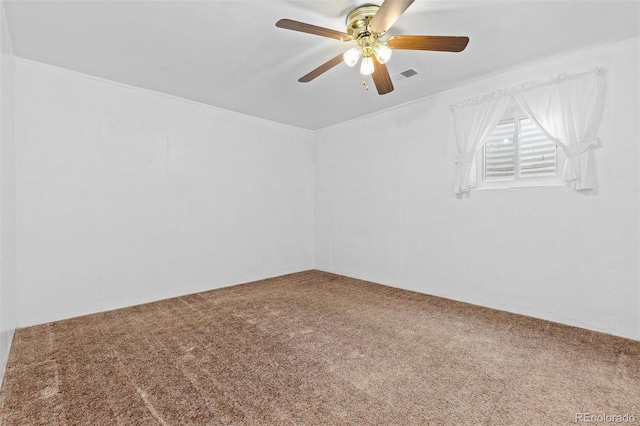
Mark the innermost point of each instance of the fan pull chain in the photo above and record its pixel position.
(364, 83)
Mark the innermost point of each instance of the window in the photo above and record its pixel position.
(517, 154)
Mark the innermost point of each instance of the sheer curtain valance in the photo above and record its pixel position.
(568, 109)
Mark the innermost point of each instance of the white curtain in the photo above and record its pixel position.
(473, 122)
(569, 110)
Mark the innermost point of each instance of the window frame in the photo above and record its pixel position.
(515, 114)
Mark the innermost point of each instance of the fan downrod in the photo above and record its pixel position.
(358, 20)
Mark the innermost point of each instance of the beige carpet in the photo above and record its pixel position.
(315, 348)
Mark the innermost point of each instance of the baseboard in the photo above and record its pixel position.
(6, 337)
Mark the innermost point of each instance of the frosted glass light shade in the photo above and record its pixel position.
(366, 67)
(352, 56)
(382, 52)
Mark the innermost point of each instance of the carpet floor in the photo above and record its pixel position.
(315, 348)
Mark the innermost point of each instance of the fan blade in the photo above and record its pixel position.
(321, 69)
(420, 42)
(381, 77)
(289, 24)
(388, 14)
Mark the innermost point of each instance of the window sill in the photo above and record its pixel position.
(519, 185)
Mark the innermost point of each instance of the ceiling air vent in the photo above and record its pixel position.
(405, 74)
(409, 73)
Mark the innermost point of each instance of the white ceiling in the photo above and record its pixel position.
(229, 53)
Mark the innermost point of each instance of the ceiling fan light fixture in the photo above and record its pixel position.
(382, 52)
(366, 66)
(352, 56)
(366, 26)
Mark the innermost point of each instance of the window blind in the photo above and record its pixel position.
(500, 153)
(518, 139)
(537, 152)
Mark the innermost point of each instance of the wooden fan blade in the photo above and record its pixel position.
(424, 42)
(289, 24)
(321, 69)
(388, 14)
(381, 77)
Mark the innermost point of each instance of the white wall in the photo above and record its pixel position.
(7, 197)
(126, 196)
(385, 210)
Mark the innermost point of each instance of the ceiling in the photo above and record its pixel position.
(229, 53)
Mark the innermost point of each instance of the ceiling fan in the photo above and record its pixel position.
(366, 25)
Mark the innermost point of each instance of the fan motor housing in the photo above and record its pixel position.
(359, 18)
